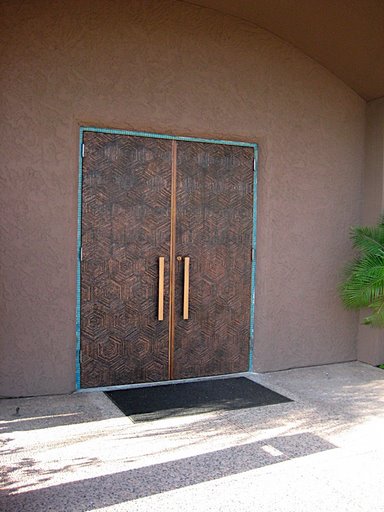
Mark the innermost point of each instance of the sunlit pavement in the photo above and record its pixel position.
(322, 452)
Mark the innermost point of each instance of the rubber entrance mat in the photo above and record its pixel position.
(156, 402)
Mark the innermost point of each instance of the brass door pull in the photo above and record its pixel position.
(186, 288)
(161, 289)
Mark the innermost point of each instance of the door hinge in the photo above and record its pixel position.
(82, 149)
(252, 254)
(81, 253)
(81, 357)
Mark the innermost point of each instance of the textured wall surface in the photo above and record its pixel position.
(166, 66)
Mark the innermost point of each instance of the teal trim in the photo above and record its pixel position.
(253, 279)
(169, 137)
(79, 215)
(78, 274)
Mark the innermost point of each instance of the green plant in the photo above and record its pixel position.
(363, 285)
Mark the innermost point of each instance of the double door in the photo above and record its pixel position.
(166, 259)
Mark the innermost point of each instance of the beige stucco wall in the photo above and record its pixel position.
(169, 67)
(370, 347)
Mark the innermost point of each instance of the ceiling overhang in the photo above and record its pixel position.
(346, 37)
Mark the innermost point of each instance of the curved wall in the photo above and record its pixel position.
(170, 67)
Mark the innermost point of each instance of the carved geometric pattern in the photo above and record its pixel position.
(214, 228)
(125, 228)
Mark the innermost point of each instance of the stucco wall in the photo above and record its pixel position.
(169, 67)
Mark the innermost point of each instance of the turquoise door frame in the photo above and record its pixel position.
(79, 215)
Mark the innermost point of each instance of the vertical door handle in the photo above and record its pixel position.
(160, 312)
(186, 288)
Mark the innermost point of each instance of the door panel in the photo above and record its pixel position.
(214, 228)
(125, 229)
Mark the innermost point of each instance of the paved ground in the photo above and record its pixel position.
(322, 452)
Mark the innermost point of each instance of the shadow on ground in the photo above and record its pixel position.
(107, 490)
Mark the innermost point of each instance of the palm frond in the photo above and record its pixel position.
(376, 319)
(369, 240)
(363, 284)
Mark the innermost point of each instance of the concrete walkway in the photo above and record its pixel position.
(322, 452)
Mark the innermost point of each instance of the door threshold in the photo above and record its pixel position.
(164, 382)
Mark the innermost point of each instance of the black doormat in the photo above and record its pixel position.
(156, 402)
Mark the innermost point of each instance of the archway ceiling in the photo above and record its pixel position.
(345, 36)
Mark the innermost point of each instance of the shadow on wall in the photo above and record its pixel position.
(112, 489)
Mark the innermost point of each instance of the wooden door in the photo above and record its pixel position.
(125, 229)
(145, 198)
(214, 229)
